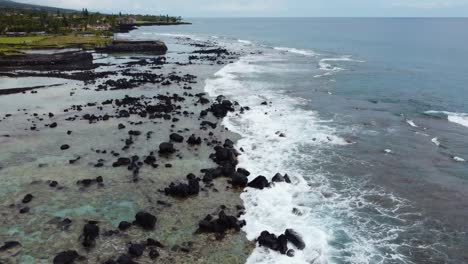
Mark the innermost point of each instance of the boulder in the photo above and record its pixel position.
(145, 220)
(193, 140)
(176, 138)
(27, 198)
(136, 250)
(124, 225)
(166, 148)
(90, 233)
(9, 245)
(294, 238)
(66, 257)
(239, 180)
(259, 183)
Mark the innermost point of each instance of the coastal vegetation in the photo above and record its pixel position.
(45, 27)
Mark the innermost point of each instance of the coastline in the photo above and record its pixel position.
(122, 193)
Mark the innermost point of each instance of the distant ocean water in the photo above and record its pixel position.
(375, 115)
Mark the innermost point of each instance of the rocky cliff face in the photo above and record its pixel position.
(153, 47)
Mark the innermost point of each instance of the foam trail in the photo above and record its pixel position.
(309, 53)
(246, 42)
(411, 123)
(266, 154)
(459, 118)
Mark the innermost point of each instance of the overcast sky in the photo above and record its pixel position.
(270, 8)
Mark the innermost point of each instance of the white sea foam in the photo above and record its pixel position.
(322, 209)
(458, 159)
(328, 65)
(297, 51)
(435, 141)
(246, 42)
(411, 123)
(459, 118)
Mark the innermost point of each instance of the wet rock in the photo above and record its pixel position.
(176, 137)
(290, 253)
(183, 190)
(27, 198)
(268, 240)
(207, 123)
(124, 225)
(121, 126)
(153, 254)
(166, 148)
(122, 162)
(294, 238)
(243, 171)
(24, 210)
(53, 125)
(239, 180)
(64, 147)
(287, 179)
(145, 220)
(278, 178)
(282, 244)
(220, 225)
(125, 259)
(134, 133)
(73, 161)
(9, 245)
(90, 233)
(154, 243)
(193, 140)
(136, 250)
(259, 183)
(66, 257)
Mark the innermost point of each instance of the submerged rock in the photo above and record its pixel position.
(27, 198)
(9, 245)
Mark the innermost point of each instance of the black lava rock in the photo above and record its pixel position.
(176, 137)
(9, 245)
(90, 233)
(166, 148)
(64, 147)
(136, 250)
(124, 225)
(145, 220)
(184, 190)
(66, 257)
(27, 198)
(294, 238)
(259, 183)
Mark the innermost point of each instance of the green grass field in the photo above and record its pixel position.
(10, 45)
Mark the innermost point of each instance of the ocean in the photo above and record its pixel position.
(374, 115)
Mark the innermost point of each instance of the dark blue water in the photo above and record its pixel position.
(395, 90)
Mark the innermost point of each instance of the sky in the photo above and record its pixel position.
(272, 8)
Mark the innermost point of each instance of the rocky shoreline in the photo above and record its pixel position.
(167, 147)
(63, 61)
(130, 165)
